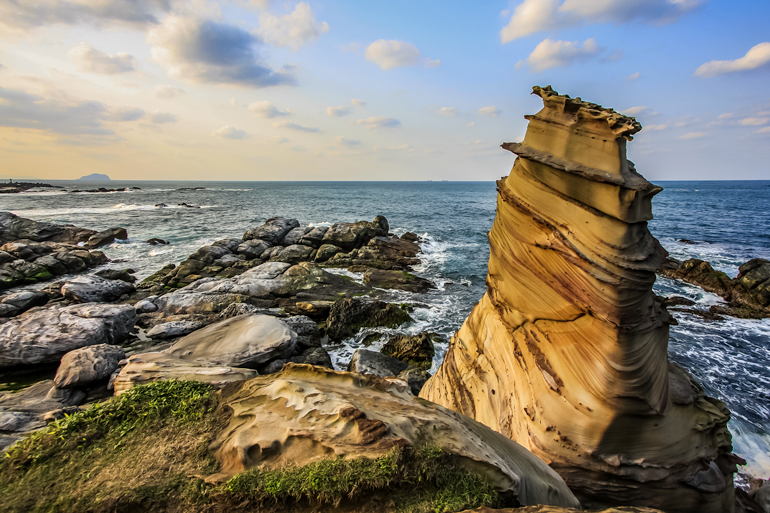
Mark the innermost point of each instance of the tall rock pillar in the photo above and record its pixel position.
(566, 353)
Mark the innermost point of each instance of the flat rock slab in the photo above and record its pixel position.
(95, 289)
(400, 280)
(243, 341)
(82, 367)
(174, 329)
(144, 368)
(376, 364)
(44, 336)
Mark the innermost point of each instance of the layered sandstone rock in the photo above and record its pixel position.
(566, 353)
(304, 414)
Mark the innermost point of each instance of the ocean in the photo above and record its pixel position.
(727, 221)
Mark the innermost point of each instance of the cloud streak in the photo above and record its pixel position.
(559, 54)
(378, 122)
(88, 59)
(231, 133)
(265, 109)
(757, 57)
(390, 54)
(295, 126)
(292, 30)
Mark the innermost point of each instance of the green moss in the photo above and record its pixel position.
(43, 276)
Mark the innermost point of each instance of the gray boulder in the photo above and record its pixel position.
(294, 235)
(54, 266)
(244, 341)
(95, 289)
(146, 305)
(415, 378)
(351, 236)
(174, 329)
(44, 336)
(314, 237)
(326, 251)
(376, 364)
(100, 239)
(24, 300)
(293, 254)
(83, 367)
(13, 227)
(252, 249)
(208, 254)
(7, 310)
(273, 231)
(230, 244)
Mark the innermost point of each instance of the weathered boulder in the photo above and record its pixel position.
(146, 305)
(326, 251)
(106, 237)
(174, 329)
(415, 350)
(144, 368)
(117, 274)
(94, 289)
(8, 310)
(293, 254)
(243, 341)
(376, 364)
(14, 228)
(347, 316)
(315, 309)
(314, 237)
(44, 336)
(294, 236)
(24, 300)
(83, 367)
(304, 414)
(273, 231)
(415, 377)
(400, 280)
(252, 248)
(349, 236)
(566, 353)
(25, 410)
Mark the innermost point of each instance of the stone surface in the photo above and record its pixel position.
(25, 410)
(415, 377)
(174, 329)
(14, 228)
(566, 353)
(347, 316)
(415, 350)
(94, 289)
(117, 274)
(24, 300)
(273, 231)
(243, 341)
(376, 364)
(326, 251)
(350, 236)
(314, 237)
(106, 237)
(144, 368)
(44, 336)
(82, 367)
(400, 280)
(304, 414)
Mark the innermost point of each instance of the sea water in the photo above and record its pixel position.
(727, 223)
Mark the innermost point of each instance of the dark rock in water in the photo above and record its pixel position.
(349, 236)
(82, 367)
(45, 335)
(155, 241)
(161, 205)
(415, 378)
(376, 364)
(115, 274)
(106, 237)
(13, 228)
(94, 289)
(187, 206)
(400, 280)
(676, 301)
(157, 277)
(314, 356)
(415, 350)
(273, 231)
(174, 329)
(314, 309)
(347, 316)
(410, 237)
(686, 241)
(93, 177)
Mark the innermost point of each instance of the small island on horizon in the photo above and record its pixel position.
(94, 177)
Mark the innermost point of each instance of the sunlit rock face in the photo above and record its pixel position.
(566, 353)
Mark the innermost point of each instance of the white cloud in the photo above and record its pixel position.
(726, 115)
(754, 121)
(295, 126)
(88, 59)
(292, 30)
(557, 54)
(278, 139)
(765, 130)
(634, 76)
(158, 117)
(357, 102)
(346, 142)
(233, 102)
(125, 114)
(692, 135)
(265, 109)
(635, 111)
(229, 132)
(533, 16)
(389, 54)
(471, 124)
(337, 112)
(491, 111)
(435, 63)
(204, 51)
(764, 113)
(166, 91)
(757, 57)
(377, 122)
(449, 112)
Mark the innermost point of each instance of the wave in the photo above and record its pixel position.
(120, 207)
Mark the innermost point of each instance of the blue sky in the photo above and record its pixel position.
(333, 90)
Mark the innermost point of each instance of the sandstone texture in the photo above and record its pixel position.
(82, 367)
(566, 353)
(304, 414)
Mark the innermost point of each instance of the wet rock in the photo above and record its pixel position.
(94, 289)
(314, 237)
(307, 331)
(106, 237)
(326, 251)
(237, 309)
(314, 309)
(415, 350)
(44, 336)
(347, 316)
(314, 356)
(400, 280)
(8, 310)
(349, 236)
(294, 236)
(243, 341)
(145, 368)
(146, 305)
(83, 367)
(158, 277)
(174, 329)
(410, 237)
(376, 364)
(273, 231)
(415, 377)
(293, 254)
(24, 300)
(253, 248)
(14, 228)
(115, 274)
(155, 242)
(54, 265)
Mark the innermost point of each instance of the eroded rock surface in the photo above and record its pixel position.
(566, 353)
(82, 367)
(303, 414)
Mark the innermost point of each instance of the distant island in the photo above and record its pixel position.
(93, 177)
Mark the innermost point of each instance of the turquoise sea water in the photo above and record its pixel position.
(728, 221)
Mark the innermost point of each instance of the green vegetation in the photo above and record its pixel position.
(147, 450)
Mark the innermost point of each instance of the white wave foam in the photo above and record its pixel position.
(120, 207)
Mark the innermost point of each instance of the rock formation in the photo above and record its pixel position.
(304, 414)
(566, 353)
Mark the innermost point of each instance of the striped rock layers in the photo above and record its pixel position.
(566, 353)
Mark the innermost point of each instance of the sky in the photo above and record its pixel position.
(351, 90)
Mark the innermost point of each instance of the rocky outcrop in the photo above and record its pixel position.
(347, 316)
(95, 289)
(44, 336)
(304, 414)
(566, 353)
(415, 350)
(748, 295)
(400, 280)
(83, 367)
(13, 228)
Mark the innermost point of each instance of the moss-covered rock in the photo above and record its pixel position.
(347, 316)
